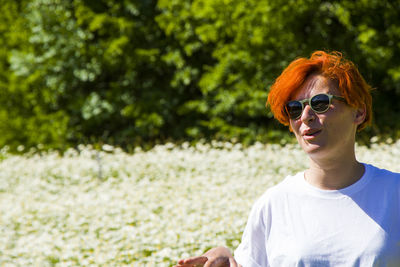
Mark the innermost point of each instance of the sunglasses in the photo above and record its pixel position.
(319, 104)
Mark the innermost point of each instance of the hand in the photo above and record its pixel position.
(215, 257)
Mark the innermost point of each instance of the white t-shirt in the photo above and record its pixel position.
(297, 224)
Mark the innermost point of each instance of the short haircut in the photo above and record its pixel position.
(331, 65)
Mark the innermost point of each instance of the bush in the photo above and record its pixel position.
(143, 72)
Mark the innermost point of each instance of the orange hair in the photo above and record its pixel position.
(330, 65)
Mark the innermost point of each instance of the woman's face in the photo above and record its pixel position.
(327, 135)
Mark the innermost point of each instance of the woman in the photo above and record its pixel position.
(338, 212)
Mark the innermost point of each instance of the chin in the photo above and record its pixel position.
(312, 148)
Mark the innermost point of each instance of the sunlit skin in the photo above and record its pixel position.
(215, 257)
(328, 138)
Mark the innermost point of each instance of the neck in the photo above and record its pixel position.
(334, 174)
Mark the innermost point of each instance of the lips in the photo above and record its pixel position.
(310, 133)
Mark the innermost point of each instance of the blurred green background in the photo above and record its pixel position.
(141, 72)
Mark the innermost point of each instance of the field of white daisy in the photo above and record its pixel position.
(109, 208)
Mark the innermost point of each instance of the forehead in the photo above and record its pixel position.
(316, 84)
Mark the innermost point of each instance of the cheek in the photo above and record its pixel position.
(294, 126)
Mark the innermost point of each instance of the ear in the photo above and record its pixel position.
(360, 115)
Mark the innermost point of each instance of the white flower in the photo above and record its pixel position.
(148, 209)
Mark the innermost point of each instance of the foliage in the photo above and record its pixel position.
(135, 72)
(252, 41)
(91, 71)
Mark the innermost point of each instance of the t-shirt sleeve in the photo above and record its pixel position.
(252, 250)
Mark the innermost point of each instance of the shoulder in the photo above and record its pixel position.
(383, 180)
(288, 186)
(383, 175)
(291, 184)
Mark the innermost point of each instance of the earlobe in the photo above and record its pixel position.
(360, 115)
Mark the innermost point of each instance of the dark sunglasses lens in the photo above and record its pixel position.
(320, 103)
(294, 109)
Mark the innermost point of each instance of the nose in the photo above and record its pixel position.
(308, 114)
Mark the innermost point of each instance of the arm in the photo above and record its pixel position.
(215, 257)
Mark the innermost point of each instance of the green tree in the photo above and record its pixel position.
(250, 43)
(95, 72)
(141, 71)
